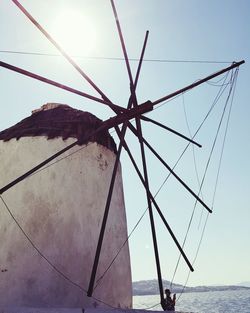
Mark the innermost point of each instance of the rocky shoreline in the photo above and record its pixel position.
(150, 287)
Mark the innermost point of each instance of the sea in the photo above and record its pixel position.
(230, 301)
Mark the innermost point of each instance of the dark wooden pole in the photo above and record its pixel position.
(111, 187)
(139, 135)
(172, 172)
(147, 119)
(59, 85)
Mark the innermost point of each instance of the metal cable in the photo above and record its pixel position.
(224, 139)
(115, 58)
(231, 92)
(193, 150)
(219, 94)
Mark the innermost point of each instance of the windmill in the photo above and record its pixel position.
(122, 117)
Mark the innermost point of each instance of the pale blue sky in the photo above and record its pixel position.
(178, 30)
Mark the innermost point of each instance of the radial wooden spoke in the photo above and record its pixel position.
(122, 42)
(56, 84)
(141, 59)
(104, 221)
(111, 187)
(151, 216)
(147, 119)
(172, 172)
(139, 65)
(139, 135)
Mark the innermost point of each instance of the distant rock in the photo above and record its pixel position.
(150, 287)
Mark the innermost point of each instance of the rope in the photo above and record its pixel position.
(223, 145)
(215, 140)
(36, 248)
(62, 274)
(212, 83)
(59, 160)
(115, 58)
(151, 307)
(216, 82)
(224, 139)
(193, 150)
(219, 94)
(231, 92)
(113, 260)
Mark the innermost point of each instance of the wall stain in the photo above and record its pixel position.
(103, 164)
(4, 270)
(30, 283)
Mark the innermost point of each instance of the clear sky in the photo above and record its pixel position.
(178, 30)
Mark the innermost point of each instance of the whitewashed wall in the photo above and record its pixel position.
(60, 208)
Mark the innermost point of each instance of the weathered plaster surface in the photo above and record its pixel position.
(60, 208)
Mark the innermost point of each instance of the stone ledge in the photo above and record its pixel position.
(74, 310)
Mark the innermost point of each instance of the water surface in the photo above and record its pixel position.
(230, 301)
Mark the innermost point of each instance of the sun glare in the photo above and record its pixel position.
(74, 32)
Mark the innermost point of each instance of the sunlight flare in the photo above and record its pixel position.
(74, 32)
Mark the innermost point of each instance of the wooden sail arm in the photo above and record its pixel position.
(143, 156)
(59, 85)
(171, 171)
(147, 119)
(121, 134)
